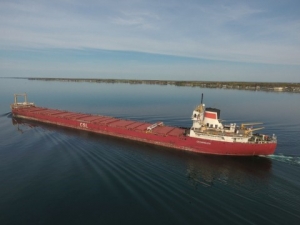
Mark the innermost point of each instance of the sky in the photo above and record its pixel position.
(205, 40)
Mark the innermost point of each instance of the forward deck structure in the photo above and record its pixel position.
(207, 134)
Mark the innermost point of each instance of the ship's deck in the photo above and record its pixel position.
(104, 120)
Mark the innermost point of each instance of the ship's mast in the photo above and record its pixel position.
(198, 115)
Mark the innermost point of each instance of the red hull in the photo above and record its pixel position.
(167, 136)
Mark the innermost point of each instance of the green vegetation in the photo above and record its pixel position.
(255, 86)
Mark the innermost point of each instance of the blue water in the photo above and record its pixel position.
(53, 175)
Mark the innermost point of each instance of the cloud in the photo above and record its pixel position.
(217, 30)
(140, 20)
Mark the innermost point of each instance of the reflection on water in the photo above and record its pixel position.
(207, 170)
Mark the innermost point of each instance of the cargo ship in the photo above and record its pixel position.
(207, 134)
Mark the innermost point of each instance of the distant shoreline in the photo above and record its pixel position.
(252, 86)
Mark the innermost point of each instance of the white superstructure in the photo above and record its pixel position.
(207, 125)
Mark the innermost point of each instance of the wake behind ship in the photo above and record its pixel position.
(207, 135)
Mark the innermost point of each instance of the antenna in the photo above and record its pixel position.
(202, 98)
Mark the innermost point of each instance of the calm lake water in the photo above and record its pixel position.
(52, 175)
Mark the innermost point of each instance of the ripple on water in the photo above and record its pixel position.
(96, 175)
